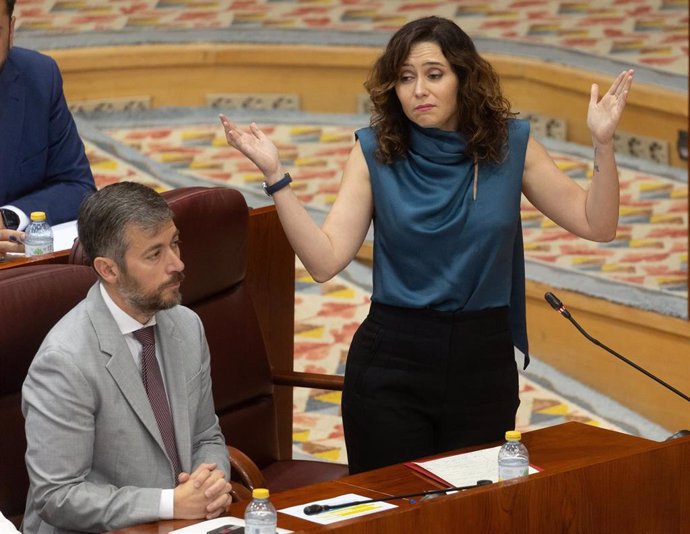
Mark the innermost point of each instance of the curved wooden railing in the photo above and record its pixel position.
(330, 79)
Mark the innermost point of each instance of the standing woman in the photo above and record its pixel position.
(440, 172)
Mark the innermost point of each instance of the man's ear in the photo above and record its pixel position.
(107, 269)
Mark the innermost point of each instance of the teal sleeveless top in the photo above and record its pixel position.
(437, 247)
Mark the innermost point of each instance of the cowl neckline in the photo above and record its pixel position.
(440, 146)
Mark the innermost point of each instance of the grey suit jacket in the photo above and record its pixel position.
(95, 456)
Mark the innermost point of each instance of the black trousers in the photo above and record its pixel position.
(420, 382)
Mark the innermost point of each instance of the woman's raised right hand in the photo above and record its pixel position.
(256, 146)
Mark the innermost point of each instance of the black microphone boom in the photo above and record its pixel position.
(557, 305)
(314, 509)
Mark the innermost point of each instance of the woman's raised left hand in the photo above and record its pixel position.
(603, 115)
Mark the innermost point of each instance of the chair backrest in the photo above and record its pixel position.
(213, 224)
(32, 300)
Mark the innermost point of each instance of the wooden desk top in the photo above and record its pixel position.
(580, 464)
(59, 256)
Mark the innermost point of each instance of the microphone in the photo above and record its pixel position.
(557, 305)
(314, 509)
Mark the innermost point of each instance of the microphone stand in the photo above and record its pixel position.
(557, 305)
(314, 509)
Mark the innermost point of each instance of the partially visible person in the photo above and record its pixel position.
(118, 407)
(43, 166)
(6, 526)
(440, 172)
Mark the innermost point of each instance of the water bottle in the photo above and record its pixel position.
(513, 458)
(38, 235)
(260, 516)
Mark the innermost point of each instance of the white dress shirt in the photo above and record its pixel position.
(6, 526)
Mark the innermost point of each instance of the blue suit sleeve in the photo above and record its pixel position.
(67, 177)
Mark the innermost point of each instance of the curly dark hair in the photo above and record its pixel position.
(483, 111)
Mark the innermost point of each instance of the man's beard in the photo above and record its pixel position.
(150, 303)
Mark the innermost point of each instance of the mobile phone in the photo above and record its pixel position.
(227, 529)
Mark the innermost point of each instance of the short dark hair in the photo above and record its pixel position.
(10, 6)
(105, 215)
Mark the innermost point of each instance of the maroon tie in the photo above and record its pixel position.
(153, 384)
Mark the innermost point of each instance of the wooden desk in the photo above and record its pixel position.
(593, 481)
(59, 256)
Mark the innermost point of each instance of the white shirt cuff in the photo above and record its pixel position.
(23, 219)
(6, 527)
(166, 510)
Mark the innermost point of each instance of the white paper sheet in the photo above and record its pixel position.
(211, 524)
(64, 235)
(333, 516)
(466, 469)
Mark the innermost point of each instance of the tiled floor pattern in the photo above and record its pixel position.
(326, 316)
(650, 249)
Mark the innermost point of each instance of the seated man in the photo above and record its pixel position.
(43, 166)
(120, 423)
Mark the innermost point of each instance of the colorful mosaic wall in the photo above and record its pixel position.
(653, 33)
(108, 170)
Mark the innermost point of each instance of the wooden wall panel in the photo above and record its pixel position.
(330, 78)
(657, 343)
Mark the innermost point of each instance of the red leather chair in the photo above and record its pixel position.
(213, 224)
(32, 300)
